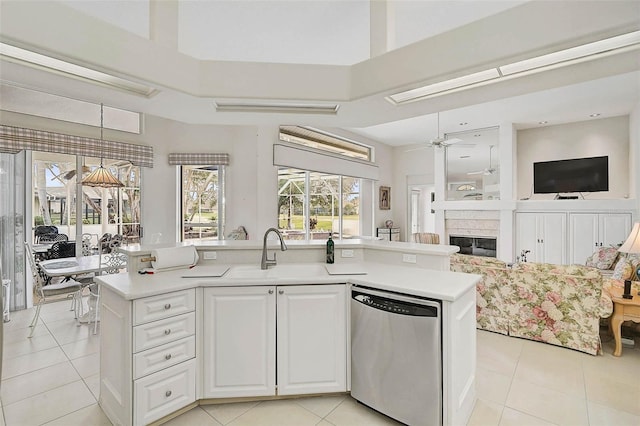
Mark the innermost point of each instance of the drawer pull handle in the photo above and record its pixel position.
(167, 357)
(167, 306)
(270, 291)
(280, 291)
(167, 331)
(167, 394)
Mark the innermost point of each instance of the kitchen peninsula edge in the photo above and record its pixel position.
(300, 266)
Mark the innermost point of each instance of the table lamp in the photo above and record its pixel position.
(631, 245)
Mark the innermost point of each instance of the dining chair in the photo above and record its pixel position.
(61, 249)
(41, 230)
(111, 263)
(52, 238)
(70, 287)
(88, 247)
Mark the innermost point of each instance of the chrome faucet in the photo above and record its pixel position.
(265, 258)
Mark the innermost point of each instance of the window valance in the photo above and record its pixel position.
(204, 158)
(16, 139)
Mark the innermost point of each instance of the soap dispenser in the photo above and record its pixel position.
(330, 249)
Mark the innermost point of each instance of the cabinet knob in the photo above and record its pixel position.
(167, 306)
(167, 393)
(270, 291)
(167, 331)
(280, 291)
(167, 357)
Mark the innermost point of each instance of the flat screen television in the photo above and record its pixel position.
(575, 175)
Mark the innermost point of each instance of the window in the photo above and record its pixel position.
(312, 205)
(202, 206)
(113, 210)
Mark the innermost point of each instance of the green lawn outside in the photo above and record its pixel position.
(324, 222)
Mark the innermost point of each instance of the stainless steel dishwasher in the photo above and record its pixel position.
(396, 355)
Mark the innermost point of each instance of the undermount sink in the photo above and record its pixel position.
(284, 271)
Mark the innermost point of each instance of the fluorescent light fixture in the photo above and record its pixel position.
(67, 69)
(586, 52)
(565, 57)
(436, 89)
(277, 107)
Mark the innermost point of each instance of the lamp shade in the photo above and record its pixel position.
(102, 178)
(632, 245)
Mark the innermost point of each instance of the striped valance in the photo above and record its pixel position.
(16, 139)
(199, 159)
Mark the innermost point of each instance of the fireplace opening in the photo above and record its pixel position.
(477, 246)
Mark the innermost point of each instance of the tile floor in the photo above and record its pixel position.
(52, 379)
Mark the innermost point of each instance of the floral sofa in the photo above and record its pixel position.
(557, 304)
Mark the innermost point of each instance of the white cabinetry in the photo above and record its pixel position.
(239, 341)
(587, 231)
(241, 351)
(544, 235)
(148, 366)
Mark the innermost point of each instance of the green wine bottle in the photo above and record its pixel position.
(330, 250)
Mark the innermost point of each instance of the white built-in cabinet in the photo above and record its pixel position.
(588, 231)
(568, 237)
(244, 356)
(543, 235)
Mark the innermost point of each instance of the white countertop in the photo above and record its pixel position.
(432, 249)
(442, 285)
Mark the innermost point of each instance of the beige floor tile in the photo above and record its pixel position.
(20, 334)
(611, 392)
(492, 386)
(511, 417)
(498, 353)
(548, 404)
(91, 415)
(351, 413)
(27, 346)
(321, 406)
(323, 422)
(93, 383)
(601, 415)
(485, 413)
(82, 347)
(224, 413)
(277, 413)
(194, 417)
(552, 367)
(36, 382)
(49, 405)
(31, 362)
(613, 367)
(69, 330)
(87, 365)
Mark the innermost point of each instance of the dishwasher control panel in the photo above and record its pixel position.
(395, 306)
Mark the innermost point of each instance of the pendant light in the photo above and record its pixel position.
(102, 177)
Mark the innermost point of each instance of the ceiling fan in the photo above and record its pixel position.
(438, 141)
(487, 171)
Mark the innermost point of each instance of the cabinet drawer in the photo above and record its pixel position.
(164, 356)
(164, 331)
(164, 392)
(163, 306)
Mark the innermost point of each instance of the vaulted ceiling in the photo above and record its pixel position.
(346, 53)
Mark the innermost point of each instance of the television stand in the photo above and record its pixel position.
(566, 197)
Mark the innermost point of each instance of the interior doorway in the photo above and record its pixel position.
(421, 213)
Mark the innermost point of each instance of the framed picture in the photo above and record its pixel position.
(385, 198)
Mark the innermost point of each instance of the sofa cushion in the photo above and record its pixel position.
(623, 269)
(603, 258)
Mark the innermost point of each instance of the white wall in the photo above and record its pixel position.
(251, 179)
(607, 136)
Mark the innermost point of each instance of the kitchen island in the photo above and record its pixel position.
(170, 342)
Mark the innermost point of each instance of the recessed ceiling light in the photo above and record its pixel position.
(277, 107)
(542, 122)
(595, 114)
(57, 66)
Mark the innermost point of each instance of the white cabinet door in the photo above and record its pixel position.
(614, 228)
(588, 231)
(312, 342)
(527, 236)
(553, 237)
(239, 341)
(544, 235)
